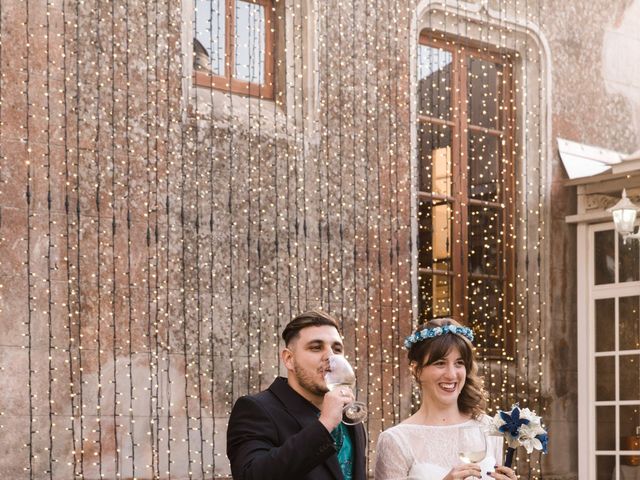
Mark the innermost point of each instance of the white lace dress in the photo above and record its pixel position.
(421, 452)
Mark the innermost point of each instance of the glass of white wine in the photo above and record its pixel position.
(472, 444)
(340, 374)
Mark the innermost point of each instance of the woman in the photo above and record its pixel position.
(424, 447)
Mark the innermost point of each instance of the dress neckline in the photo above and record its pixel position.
(453, 425)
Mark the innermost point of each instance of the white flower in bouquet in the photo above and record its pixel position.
(520, 427)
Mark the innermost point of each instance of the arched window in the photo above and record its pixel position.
(465, 200)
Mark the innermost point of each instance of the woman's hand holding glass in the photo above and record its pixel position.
(472, 448)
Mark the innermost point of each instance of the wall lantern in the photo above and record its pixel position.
(624, 217)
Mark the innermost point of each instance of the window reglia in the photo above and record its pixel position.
(233, 46)
(465, 129)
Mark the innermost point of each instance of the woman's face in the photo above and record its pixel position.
(442, 381)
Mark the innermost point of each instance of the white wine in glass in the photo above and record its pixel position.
(340, 374)
(472, 444)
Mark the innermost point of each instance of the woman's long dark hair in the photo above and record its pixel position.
(472, 400)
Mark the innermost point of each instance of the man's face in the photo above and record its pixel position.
(306, 358)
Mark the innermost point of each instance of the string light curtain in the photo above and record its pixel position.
(181, 178)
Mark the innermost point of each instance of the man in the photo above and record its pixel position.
(294, 430)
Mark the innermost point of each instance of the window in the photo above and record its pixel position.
(233, 46)
(465, 200)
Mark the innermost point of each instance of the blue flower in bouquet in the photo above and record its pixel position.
(521, 427)
(512, 422)
(544, 440)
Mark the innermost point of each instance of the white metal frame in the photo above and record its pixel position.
(588, 293)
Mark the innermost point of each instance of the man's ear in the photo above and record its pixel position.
(286, 356)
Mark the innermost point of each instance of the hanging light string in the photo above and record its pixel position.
(97, 151)
(78, 248)
(339, 158)
(542, 194)
(250, 189)
(215, 206)
(356, 139)
(129, 299)
(319, 126)
(50, 265)
(169, 222)
(183, 296)
(157, 321)
(198, 292)
(233, 245)
(151, 241)
(30, 274)
(296, 160)
(366, 161)
(114, 281)
(393, 72)
(68, 150)
(262, 267)
(291, 163)
(324, 196)
(301, 151)
(277, 104)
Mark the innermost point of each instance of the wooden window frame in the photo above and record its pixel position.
(227, 82)
(459, 199)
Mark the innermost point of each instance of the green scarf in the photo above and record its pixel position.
(344, 445)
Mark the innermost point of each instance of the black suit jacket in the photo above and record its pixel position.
(276, 435)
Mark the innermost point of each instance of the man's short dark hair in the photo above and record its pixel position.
(312, 318)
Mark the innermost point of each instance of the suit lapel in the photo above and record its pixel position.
(359, 451)
(304, 413)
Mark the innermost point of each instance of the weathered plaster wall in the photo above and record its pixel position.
(154, 239)
(593, 103)
(153, 246)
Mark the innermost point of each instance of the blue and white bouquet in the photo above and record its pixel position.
(520, 427)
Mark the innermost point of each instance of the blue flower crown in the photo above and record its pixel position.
(436, 332)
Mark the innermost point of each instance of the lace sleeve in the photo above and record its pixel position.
(391, 462)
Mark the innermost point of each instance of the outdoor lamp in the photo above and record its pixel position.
(624, 216)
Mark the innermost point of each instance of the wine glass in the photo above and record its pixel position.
(340, 374)
(472, 444)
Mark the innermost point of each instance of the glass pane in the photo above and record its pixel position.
(483, 91)
(605, 378)
(605, 428)
(442, 293)
(630, 433)
(209, 41)
(604, 257)
(484, 167)
(630, 377)
(628, 261)
(434, 156)
(605, 325)
(434, 234)
(435, 294)
(485, 234)
(629, 323)
(434, 82)
(250, 42)
(606, 466)
(486, 299)
(629, 423)
(630, 461)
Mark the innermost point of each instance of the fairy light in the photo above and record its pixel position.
(223, 221)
